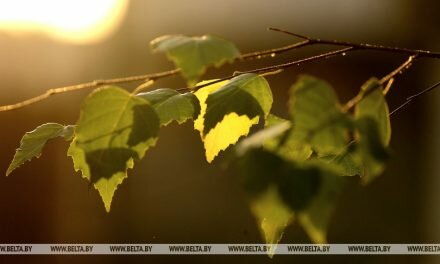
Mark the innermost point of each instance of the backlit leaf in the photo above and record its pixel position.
(317, 116)
(343, 164)
(171, 105)
(374, 105)
(316, 217)
(264, 136)
(113, 130)
(33, 142)
(229, 111)
(272, 215)
(194, 54)
(372, 153)
(287, 145)
(277, 188)
(374, 130)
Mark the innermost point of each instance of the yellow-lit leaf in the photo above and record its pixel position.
(228, 110)
(202, 95)
(272, 215)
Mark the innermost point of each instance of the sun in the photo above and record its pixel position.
(79, 21)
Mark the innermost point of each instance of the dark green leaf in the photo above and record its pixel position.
(194, 54)
(114, 128)
(171, 105)
(33, 142)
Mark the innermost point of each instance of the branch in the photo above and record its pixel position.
(364, 46)
(143, 78)
(259, 54)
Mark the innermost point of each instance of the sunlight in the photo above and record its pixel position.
(79, 21)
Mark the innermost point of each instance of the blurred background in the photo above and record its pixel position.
(173, 195)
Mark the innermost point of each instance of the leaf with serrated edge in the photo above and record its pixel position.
(202, 95)
(229, 111)
(33, 142)
(113, 130)
(194, 54)
(171, 105)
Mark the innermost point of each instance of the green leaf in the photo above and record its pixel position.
(315, 219)
(277, 138)
(374, 105)
(171, 105)
(287, 145)
(272, 216)
(372, 153)
(261, 171)
(268, 137)
(114, 128)
(342, 164)
(374, 130)
(194, 54)
(317, 116)
(228, 111)
(277, 188)
(33, 142)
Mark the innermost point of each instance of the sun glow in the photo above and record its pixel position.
(77, 21)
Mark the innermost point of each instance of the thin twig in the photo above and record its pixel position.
(399, 70)
(388, 86)
(92, 84)
(273, 52)
(421, 53)
(413, 97)
(142, 87)
(387, 79)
